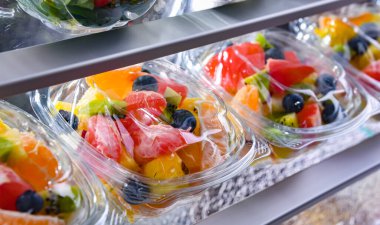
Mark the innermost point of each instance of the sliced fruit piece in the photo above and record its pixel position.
(163, 84)
(11, 187)
(128, 162)
(6, 148)
(334, 30)
(11, 217)
(373, 70)
(361, 61)
(362, 18)
(291, 56)
(288, 73)
(229, 67)
(103, 135)
(192, 157)
(172, 97)
(289, 120)
(310, 116)
(164, 167)
(103, 106)
(39, 167)
(117, 84)
(249, 96)
(261, 81)
(310, 80)
(90, 95)
(154, 102)
(157, 140)
(260, 38)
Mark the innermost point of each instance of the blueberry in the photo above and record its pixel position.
(145, 83)
(184, 119)
(371, 30)
(329, 113)
(67, 117)
(293, 103)
(325, 83)
(135, 192)
(274, 53)
(358, 44)
(29, 201)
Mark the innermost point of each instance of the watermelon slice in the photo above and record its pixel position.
(310, 116)
(291, 56)
(288, 73)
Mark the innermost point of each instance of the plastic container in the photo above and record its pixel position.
(154, 165)
(298, 97)
(88, 16)
(39, 181)
(351, 36)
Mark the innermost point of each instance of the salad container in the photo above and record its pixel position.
(39, 184)
(351, 36)
(283, 89)
(85, 16)
(153, 134)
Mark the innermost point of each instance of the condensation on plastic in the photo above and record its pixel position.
(93, 207)
(221, 131)
(358, 106)
(82, 17)
(305, 31)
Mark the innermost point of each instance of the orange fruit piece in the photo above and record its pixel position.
(366, 17)
(115, 83)
(249, 96)
(192, 157)
(39, 167)
(13, 217)
(335, 30)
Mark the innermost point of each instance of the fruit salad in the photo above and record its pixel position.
(157, 129)
(272, 75)
(83, 16)
(361, 50)
(36, 183)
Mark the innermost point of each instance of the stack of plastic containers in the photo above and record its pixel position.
(39, 184)
(284, 89)
(154, 135)
(352, 34)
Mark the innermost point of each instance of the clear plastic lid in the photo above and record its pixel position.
(38, 181)
(155, 135)
(85, 16)
(285, 90)
(352, 33)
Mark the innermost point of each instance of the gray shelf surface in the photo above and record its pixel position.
(43, 65)
(302, 190)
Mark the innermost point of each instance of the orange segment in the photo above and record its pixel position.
(366, 17)
(12, 217)
(335, 30)
(39, 167)
(249, 96)
(192, 157)
(116, 83)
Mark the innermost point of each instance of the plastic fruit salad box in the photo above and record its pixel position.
(153, 135)
(39, 184)
(284, 89)
(352, 33)
(85, 16)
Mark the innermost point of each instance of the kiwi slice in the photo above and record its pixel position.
(172, 97)
(5, 149)
(289, 120)
(261, 81)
